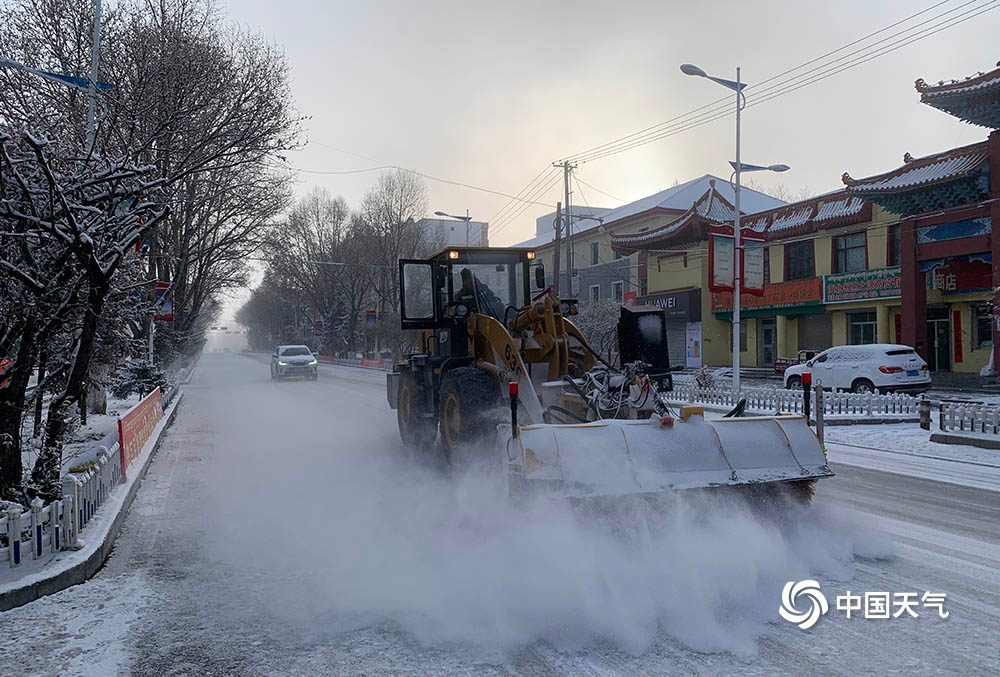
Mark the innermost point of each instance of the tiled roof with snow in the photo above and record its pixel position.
(681, 197)
(975, 100)
(711, 207)
(942, 167)
(974, 83)
(837, 209)
(791, 218)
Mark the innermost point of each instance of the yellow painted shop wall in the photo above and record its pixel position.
(671, 272)
(822, 254)
(839, 337)
(972, 360)
(777, 255)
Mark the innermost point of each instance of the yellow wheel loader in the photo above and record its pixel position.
(500, 365)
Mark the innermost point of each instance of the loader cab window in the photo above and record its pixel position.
(494, 286)
(418, 294)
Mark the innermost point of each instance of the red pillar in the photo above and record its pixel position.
(914, 290)
(994, 149)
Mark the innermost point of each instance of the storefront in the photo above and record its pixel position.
(771, 325)
(683, 308)
(861, 305)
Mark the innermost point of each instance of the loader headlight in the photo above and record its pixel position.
(461, 310)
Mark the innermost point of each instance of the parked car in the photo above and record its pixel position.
(289, 361)
(887, 367)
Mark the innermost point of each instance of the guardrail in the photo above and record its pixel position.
(836, 403)
(384, 365)
(964, 417)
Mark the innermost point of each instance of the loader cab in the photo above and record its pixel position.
(440, 293)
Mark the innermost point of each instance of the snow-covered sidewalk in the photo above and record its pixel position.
(59, 570)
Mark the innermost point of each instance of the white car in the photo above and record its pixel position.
(294, 361)
(886, 367)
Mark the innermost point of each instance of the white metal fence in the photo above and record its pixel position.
(56, 526)
(870, 405)
(969, 418)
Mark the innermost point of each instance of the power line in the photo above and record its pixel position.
(513, 216)
(725, 108)
(606, 194)
(421, 174)
(782, 74)
(524, 191)
(713, 111)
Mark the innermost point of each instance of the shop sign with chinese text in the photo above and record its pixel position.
(864, 285)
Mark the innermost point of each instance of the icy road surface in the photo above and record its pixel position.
(283, 530)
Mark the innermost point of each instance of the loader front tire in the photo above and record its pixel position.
(416, 428)
(469, 398)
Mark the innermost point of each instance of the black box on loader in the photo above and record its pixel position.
(642, 337)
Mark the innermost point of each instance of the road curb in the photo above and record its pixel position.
(969, 440)
(82, 571)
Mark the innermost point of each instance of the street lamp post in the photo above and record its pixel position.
(465, 218)
(738, 169)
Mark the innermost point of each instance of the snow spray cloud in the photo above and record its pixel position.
(387, 534)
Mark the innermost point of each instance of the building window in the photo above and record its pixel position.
(618, 291)
(850, 253)
(894, 255)
(595, 253)
(982, 316)
(595, 293)
(643, 287)
(617, 254)
(862, 328)
(799, 260)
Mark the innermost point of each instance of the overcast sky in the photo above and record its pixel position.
(490, 93)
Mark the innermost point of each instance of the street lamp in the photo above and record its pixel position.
(465, 218)
(738, 169)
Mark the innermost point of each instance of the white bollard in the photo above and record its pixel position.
(14, 535)
(36, 527)
(55, 526)
(102, 466)
(71, 491)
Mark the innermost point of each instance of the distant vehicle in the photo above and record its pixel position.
(783, 363)
(887, 367)
(290, 361)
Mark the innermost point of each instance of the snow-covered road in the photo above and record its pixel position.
(282, 529)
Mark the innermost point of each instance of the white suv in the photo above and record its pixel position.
(886, 367)
(294, 361)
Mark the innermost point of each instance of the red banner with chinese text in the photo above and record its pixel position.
(136, 427)
(808, 292)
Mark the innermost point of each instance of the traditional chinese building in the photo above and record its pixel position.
(949, 258)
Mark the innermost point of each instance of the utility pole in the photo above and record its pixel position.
(92, 86)
(555, 256)
(570, 258)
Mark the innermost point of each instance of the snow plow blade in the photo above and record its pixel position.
(619, 457)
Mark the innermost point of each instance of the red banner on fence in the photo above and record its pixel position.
(365, 362)
(136, 427)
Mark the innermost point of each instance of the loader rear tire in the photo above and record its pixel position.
(416, 428)
(469, 399)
